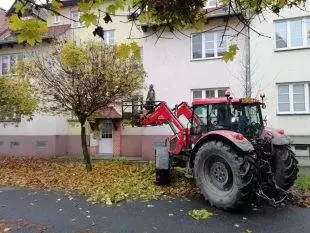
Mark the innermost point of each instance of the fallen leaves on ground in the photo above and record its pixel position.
(299, 198)
(200, 214)
(109, 182)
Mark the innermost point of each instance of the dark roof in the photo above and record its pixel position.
(107, 113)
(66, 3)
(219, 11)
(53, 32)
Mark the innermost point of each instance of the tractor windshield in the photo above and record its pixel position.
(245, 119)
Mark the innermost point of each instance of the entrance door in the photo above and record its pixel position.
(106, 138)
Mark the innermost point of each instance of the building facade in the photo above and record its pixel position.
(182, 67)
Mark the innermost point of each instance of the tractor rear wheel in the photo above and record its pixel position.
(285, 169)
(225, 178)
(163, 176)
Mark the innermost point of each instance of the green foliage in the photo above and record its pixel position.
(303, 182)
(73, 57)
(200, 214)
(231, 53)
(126, 50)
(30, 30)
(89, 19)
(17, 97)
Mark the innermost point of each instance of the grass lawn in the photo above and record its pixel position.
(109, 182)
(303, 183)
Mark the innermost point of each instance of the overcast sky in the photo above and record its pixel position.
(6, 4)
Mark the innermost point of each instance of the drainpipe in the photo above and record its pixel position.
(248, 82)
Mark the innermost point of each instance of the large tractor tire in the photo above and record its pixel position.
(163, 177)
(225, 178)
(285, 169)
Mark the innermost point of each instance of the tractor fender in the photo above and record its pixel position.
(276, 136)
(230, 137)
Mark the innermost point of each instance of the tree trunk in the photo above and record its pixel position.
(84, 147)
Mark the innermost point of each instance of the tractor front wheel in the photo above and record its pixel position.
(285, 169)
(225, 178)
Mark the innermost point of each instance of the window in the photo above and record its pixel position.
(293, 33)
(75, 16)
(14, 144)
(56, 19)
(109, 37)
(208, 93)
(106, 129)
(293, 98)
(41, 146)
(8, 62)
(301, 150)
(208, 45)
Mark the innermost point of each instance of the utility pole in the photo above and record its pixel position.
(248, 81)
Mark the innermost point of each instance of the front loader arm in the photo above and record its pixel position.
(184, 109)
(161, 115)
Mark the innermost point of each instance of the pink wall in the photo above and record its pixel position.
(140, 145)
(56, 145)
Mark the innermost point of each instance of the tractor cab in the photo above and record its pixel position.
(239, 115)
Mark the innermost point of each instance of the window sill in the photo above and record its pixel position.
(77, 27)
(206, 58)
(293, 114)
(289, 49)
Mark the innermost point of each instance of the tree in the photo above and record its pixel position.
(171, 15)
(17, 98)
(83, 79)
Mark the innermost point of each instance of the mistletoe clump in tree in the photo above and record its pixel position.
(83, 79)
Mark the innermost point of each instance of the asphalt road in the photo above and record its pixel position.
(24, 210)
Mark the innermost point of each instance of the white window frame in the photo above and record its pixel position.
(203, 90)
(56, 19)
(78, 24)
(107, 37)
(288, 31)
(291, 98)
(9, 60)
(215, 33)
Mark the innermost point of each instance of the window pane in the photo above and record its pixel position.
(281, 35)
(283, 89)
(221, 44)
(299, 97)
(284, 107)
(307, 32)
(111, 37)
(5, 64)
(197, 94)
(283, 98)
(75, 18)
(210, 93)
(296, 33)
(221, 93)
(301, 147)
(209, 44)
(197, 45)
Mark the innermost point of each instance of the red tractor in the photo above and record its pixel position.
(227, 148)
